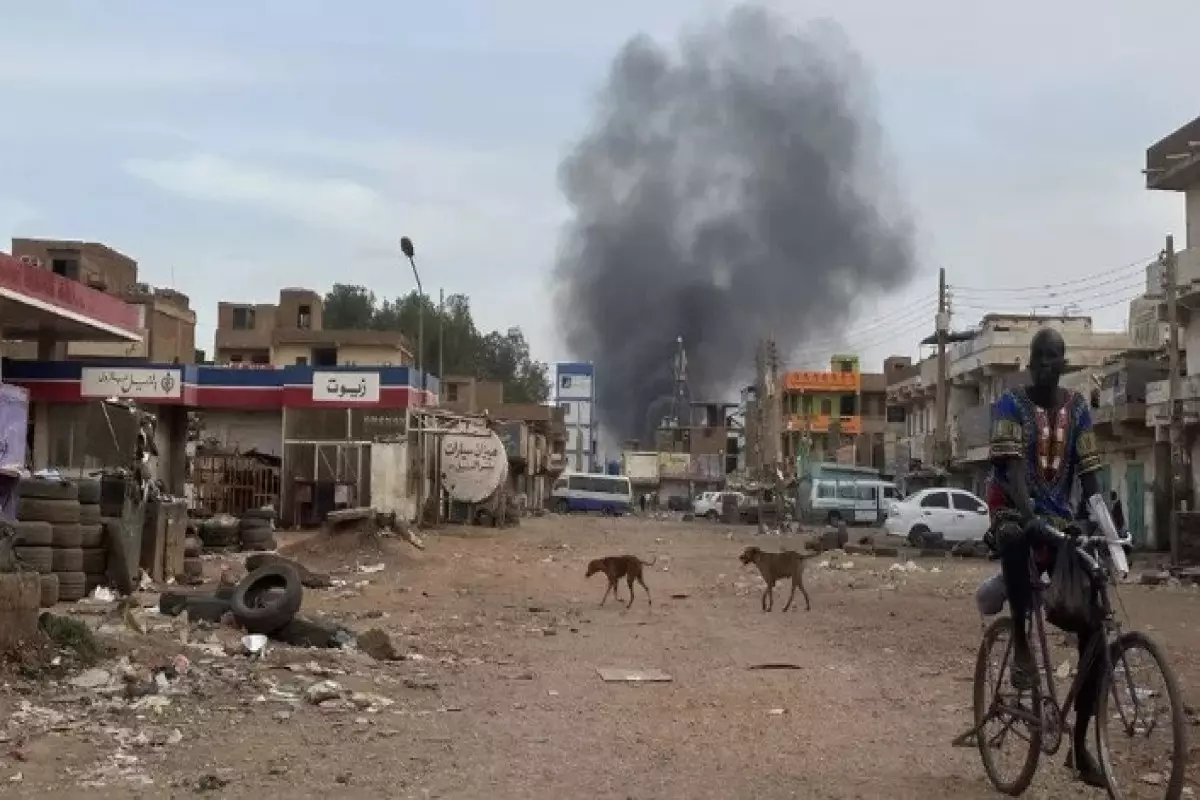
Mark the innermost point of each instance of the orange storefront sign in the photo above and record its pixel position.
(819, 423)
(815, 381)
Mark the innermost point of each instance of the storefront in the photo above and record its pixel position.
(321, 423)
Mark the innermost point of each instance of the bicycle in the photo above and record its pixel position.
(1046, 719)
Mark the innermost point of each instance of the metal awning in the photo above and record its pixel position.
(34, 300)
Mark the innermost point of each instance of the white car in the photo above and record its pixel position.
(709, 504)
(957, 515)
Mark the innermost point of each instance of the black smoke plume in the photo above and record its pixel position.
(730, 190)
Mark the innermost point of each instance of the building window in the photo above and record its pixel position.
(301, 361)
(304, 317)
(564, 382)
(243, 319)
(846, 406)
(826, 407)
(895, 413)
(235, 359)
(452, 392)
(260, 358)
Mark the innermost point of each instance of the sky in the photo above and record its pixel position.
(236, 148)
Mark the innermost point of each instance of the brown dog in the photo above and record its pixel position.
(776, 567)
(617, 567)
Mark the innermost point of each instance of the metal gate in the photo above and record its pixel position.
(324, 477)
(1135, 502)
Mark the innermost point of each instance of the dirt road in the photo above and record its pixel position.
(504, 699)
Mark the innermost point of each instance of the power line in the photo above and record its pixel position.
(909, 318)
(1058, 301)
(1125, 280)
(1141, 263)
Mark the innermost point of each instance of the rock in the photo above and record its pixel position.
(380, 645)
(322, 691)
(421, 683)
(1155, 578)
(91, 679)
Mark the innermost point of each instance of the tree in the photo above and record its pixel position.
(496, 356)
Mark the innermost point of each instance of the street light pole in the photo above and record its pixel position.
(406, 247)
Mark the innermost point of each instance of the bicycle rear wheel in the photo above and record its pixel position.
(1140, 699)
(995, 720)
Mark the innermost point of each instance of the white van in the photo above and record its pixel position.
(609, 494)
(853, 500)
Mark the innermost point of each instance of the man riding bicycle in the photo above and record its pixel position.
(1041, 442)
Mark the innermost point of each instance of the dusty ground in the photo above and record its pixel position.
(505, 701)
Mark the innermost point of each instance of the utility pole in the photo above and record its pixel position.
(1174, 402)
(940, 439)
(775, 430)
(760, 405)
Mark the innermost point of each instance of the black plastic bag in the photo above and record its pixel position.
(1070, 598)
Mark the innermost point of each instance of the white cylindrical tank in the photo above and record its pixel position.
(473, 465)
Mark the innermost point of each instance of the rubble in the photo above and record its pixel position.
(380, 645)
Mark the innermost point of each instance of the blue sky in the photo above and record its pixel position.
(236, 148)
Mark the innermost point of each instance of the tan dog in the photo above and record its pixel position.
(776, 567)
(617, 567)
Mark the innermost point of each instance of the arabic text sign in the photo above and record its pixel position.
(346, 387)
(132, 382)
(472, 465)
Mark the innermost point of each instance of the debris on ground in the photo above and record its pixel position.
(380, 645)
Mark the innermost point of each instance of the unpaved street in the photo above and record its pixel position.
(505, 700)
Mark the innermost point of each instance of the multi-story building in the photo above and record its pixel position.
(292, 332)
(838, 415)
(575, 393)
(981, 365)
(166, 324)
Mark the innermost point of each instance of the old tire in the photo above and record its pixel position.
(267, 514)
(38, 559)
(40, 509)
(67, 559)
(95, 560)
(193, 568)
(204, 607)
(72, 586)
(68, 536)
(89, 514)
(91, 536)
(192, 547)
(46, 489)
(918, 535)
(32, 534)
(88, 491)
(219, 534)
(49, 587)
(267, 598)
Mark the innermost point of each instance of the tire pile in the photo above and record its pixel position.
(253, 532)
(256, 530)
(60, 533)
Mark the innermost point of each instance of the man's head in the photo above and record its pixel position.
(1047, 358)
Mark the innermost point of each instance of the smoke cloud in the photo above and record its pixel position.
(728, 190)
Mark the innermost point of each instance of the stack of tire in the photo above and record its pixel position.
(48, 538)
(193, 567)
(219, 533)
(93, 535)
(256, 530)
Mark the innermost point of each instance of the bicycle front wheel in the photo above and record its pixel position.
(1140, 704)
(1004, 715)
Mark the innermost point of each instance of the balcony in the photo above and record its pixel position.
(815, 381)
(820, 423)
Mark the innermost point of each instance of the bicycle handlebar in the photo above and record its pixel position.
(1081, 541)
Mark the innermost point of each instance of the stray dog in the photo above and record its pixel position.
(776, 567)
(617, 567)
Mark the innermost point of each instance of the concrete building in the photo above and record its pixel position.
(291, 333)
(837, 415)
(981, 366)
(575, 393)
(166, 324)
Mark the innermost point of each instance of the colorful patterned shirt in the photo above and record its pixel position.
(1055, 447)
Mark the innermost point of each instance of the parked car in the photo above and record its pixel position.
(954, 514)
(710, 504)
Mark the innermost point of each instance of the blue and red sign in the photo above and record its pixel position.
(224, 387)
